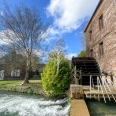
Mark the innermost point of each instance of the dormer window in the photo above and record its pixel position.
(101, 23)
(90, 33)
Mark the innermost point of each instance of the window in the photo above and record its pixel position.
(15, 72)
(101, 24)
(1, 74)
(115, 1)
(90, 33)
(101, 49)
(91, 53)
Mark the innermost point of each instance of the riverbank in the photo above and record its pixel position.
(33, 87)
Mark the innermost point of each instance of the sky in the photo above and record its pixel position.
(67, 19)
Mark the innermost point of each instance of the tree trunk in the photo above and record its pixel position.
(27, 70)
(26, 77)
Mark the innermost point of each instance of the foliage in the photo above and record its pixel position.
(82, 54)
(55, 81)
(30, 91)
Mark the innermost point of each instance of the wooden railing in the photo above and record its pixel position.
(105, 87)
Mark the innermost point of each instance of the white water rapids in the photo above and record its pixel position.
(17, 104)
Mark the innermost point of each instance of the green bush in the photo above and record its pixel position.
(30, 91)
(55, 81)
(82, 54)
(13, 89)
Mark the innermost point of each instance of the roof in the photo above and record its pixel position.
(93, 14)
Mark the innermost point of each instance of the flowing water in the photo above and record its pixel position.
(100, 108)
(19, 104)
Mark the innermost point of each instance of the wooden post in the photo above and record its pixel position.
(98, 88)
(104, 82)
(114, 98)
(75, 75)
(102, 91)
(90, 83)
(80, 77)
(90, 86)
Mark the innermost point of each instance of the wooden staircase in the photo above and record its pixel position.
(104, 89)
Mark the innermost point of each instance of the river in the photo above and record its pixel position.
(20, 104)
(100, 108)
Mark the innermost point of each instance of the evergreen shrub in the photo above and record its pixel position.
(56, 82)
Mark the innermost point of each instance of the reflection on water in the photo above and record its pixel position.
(17, 104)
(100, 108)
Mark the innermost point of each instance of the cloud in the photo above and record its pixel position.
(1, 13)
(39, 53)
(70, 55)
(52, 34)
(68, 15)
(4, 40)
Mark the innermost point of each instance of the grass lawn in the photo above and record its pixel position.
(33, 82)
(18, 82)
(6, 82)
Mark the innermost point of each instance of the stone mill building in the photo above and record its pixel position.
(100, 34)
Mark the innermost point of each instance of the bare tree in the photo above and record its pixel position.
(83, 41)
(1, 53)
(83, 38)
(24, 30)
(58, 51)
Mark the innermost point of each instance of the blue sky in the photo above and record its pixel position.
(67, 19)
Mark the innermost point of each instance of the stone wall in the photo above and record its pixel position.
(107, 35)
